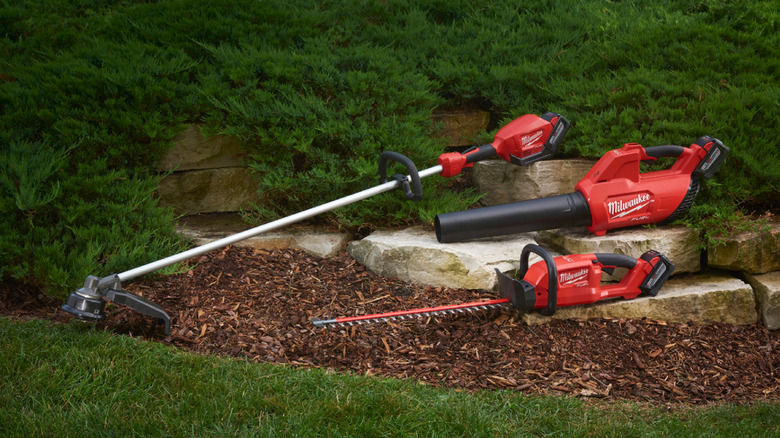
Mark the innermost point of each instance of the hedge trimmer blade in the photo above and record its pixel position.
(554, 282)
(450, 309)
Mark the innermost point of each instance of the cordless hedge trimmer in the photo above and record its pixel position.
(549, 284)
(526, 139)
(613, 194)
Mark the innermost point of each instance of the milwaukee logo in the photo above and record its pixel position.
(573, 277)
(528, 139)
(621, 208)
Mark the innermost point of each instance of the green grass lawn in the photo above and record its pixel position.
(69, 380)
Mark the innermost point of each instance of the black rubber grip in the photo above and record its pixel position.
(616, 260)
(413, 192)
(664, 151)
(552, 275)
(482, 152)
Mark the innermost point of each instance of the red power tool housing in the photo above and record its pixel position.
(613, 194)
(576, 279)
(524, 140)
(618, 195)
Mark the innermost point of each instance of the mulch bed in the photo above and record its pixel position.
(258, 304)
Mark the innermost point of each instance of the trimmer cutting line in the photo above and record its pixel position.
(526, 139)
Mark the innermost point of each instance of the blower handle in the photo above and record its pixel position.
(552, 275)
(668, 150)
(413, 191)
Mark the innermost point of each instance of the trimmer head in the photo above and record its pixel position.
(89, 302)
(86, 302)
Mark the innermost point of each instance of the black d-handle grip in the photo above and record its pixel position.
(412, 191)
(668, 150)
(552, 275)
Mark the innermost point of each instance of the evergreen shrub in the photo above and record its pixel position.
(93, 92)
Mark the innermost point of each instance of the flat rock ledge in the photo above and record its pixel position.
(501, 182)
(416, 256)
(754, 253)
(679, 244)
(698, 298)
(204, 229)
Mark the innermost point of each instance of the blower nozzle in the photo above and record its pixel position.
(569, 210)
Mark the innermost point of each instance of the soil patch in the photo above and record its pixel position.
(258, 304)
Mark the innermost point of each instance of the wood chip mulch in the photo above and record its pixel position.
(258, 304)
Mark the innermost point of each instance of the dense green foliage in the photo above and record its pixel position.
(92, 92)
(71, 381)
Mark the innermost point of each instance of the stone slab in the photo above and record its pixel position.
(204, 229)
(415, 255)
(701, 298)
(679, 244)
(501, 182)
(460, 127)
(193, 150)
(754, 253)
(207, 191)
(767, 289)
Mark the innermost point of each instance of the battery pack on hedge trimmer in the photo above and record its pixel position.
(548, 284)
(526, 139)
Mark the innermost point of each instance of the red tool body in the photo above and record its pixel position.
(526, 139)
(576, 279)
(618, 195)
(613, 194)
(551, 283)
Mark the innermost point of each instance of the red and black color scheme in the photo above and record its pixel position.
(526, 139)
(576, 279)
(549, 284)
(614, 194)
(522, 141)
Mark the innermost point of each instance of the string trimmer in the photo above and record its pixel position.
(613, 194)
(549, 284)
(526, 139)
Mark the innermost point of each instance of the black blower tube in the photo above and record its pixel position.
(570, 210)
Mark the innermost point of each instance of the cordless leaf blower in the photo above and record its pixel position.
(549, 284)
(526, 139)
(613, 194)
